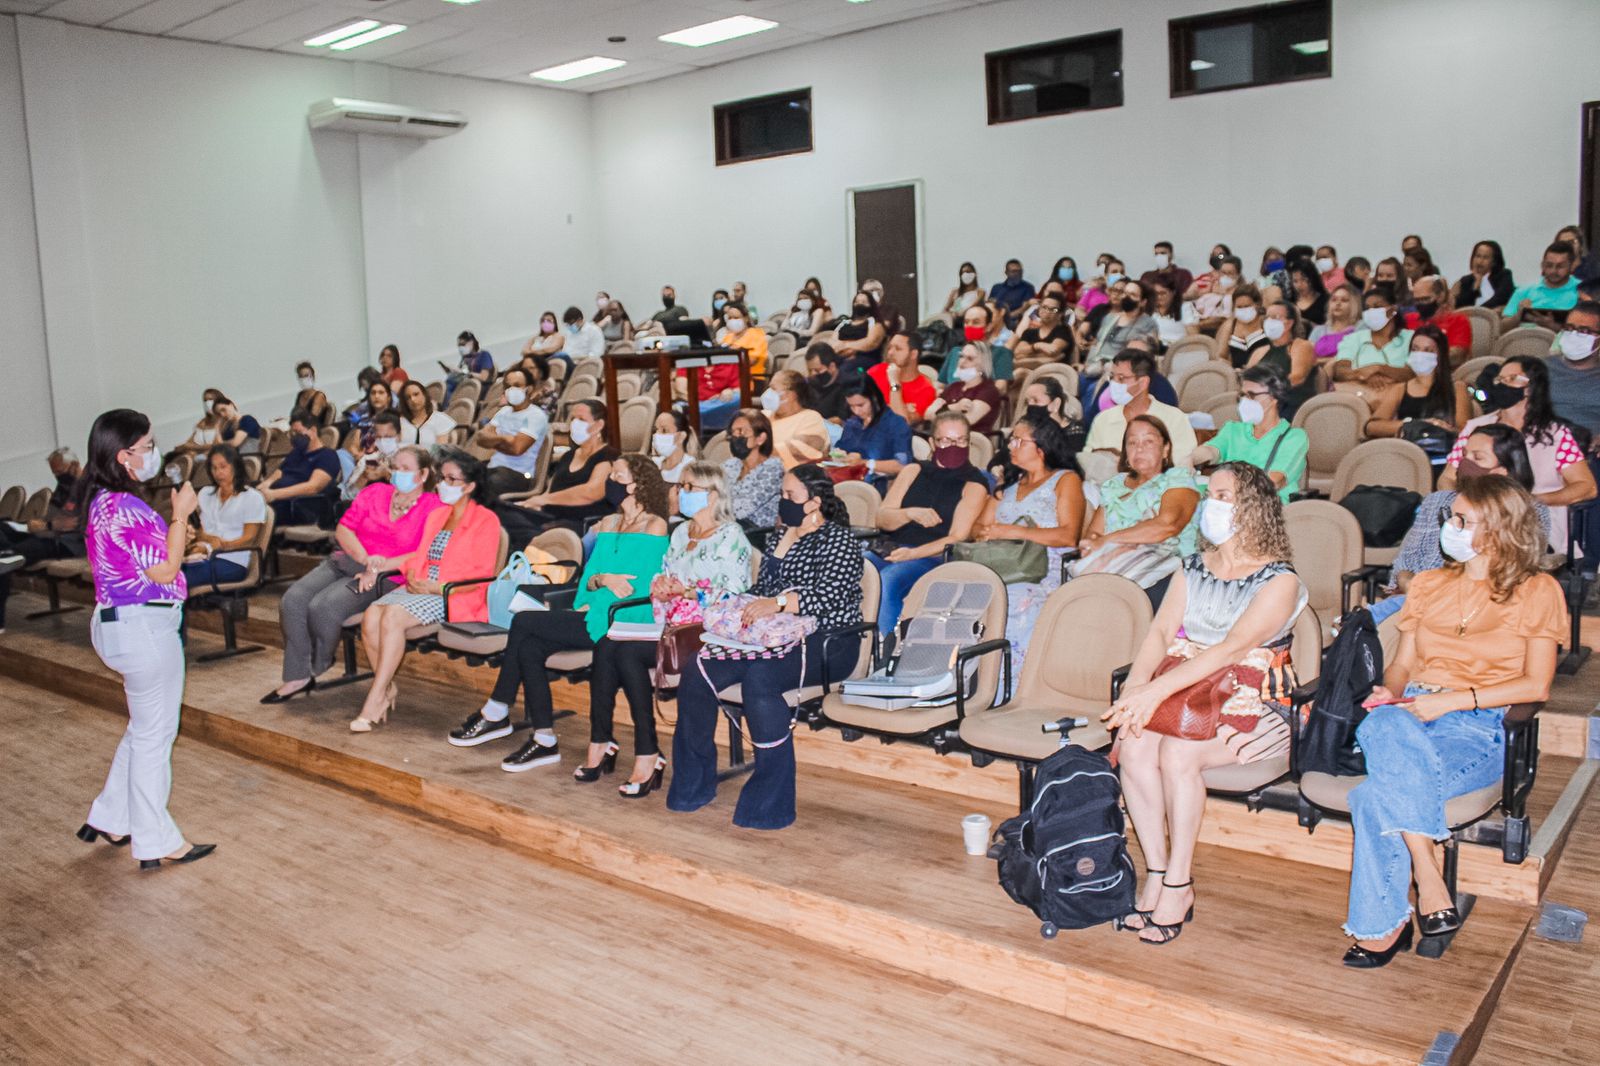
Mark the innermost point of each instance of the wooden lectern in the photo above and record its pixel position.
(666, 363)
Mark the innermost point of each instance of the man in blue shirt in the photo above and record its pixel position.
(303, 490)
(1013, 292)
(1556, 290)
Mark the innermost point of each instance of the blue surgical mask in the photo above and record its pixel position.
(692, 501)
(1066, 273)
(1272, 266)
(717, 304)
(403, 480)
(575, 327)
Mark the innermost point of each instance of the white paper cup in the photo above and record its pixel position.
(975, 830)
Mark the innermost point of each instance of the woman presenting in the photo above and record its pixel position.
(139, 590)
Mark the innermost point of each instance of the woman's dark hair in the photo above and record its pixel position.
(1510, 451)
(1497, 262)
(819, 486)
(648, 485)
(1382, 289)
(1154, 423)
(1305, 268)
(391, 350)
(759, 424)
(680, 422)
(379, 384)
(622, 312)
(1422, 255)
(472, 469)
(466, 337)
(961, 286)
(872, 302)
(596, 409)
(235, 462)
(1066, 260)
(539, 364)
(1358, 261)
(1271, 379)
(303, 365)
(1053, 443)
(554, 318)
(1440, 401)
(427, 401)
(1539, 424)
(866, 388)
(1051, 384)
(111, 433)
(369, 375)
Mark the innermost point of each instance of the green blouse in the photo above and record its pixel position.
(637, 555)
(1126, 507)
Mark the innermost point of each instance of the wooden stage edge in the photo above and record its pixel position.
(1210, 1027)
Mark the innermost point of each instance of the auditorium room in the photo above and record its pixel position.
(799, 531)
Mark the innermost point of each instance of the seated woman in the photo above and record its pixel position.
(1144, 527)
(799, 434)
(1431, 396)
(1041, 501)
(231, 515)
(1166, 307)
(1288, 352)
(460, 540)
(377, 534)
(1047, 394)
(1241, 335)
(669, 445)
(1487, 282)
(389, 366)
(235, 430)
(548, 342)
(614, 323)
(1048, 339)
(755, 475)
(577, 489)
(1261, 436)
(1475, 638)
(931, 503)
(859, 339)
(813, 569)
(973, 394)
(1344, 315)
(966, 293)
(1131, 320)
(1309, 293)
(628, 548)
(708, 558)
(206, 432)
(1234, 602)
(874, 434)
(378, 401)
(310, 398)
(804, 318)
(420, 422)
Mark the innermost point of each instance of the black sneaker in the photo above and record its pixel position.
(477, 729)
(530, 755)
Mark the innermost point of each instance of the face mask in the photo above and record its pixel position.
(739, 447)
(1066, 273)
(821, 381)
(1375, 318)
(1251, 412)
(972, 333)
(1163, 260)
(1114, 277)
(735, 325)
(300, 443)
(173, 474)
(663, 443)
(616, 492)
(600, 303)
(1275, 328)
(968, 277)
(803, 304)
(210, 406)
(387, 445)
(692, 501)
(1502, 396)
(859, 311)
(790, 513)
(951, 456)
(1130, 303)
(1456, 543)
(450, 495)
(404, 481)
(718, 304)
(1470, 469)
(1225, 282)
(1272, 266)
(516, 397)
(770, 401)
(1245, 314)
(464, 349)
(966, 374)
(1216, 521)
(1013, 276)
(1422, 362)
(1216, 262)
(308, 382)
(1426, 308)
(574, 327)
(579, 432)
(547, 327)
(668, 302)
(1324, 265)
(1120, 393)
(1574, 345)
(1042, 410)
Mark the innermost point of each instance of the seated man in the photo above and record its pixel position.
(671, 309)
(978, 324)
(1432, 296)
(373, 464)
(1132, 372)
(58, 535)
(1013, 292)
(514, 434)
(1575, 393)
(1375, 356)
(302, 491)
(827, 384)
(1556, 290)
(1167, 271)
(909, 393)
(583, 338)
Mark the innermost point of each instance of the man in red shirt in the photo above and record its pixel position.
(1432, 298)
(908, 392)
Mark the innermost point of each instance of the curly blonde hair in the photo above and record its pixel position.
(1257, 514)
(1509, 524)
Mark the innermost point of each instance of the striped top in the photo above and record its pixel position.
(124, 538)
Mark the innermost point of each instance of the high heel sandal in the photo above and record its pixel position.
(89, 834)
(1121, 924)
(1168, 933)
(358, 724)
(608, 763)
(635, 790)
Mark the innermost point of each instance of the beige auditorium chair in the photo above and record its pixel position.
(1197, 385)
(1383, 461)
(435, 392)
(1189, 352)
(12, 502)
(1485, 322)
(228, 597)
(1305, 653)
(1223, 408)
(1523, 342)
(1327, 545)
(779, 346)
(469, 390)
(1086, 629)
(636, 420)
(862, 501)
(566, 547)
(37, 507)
(716, 449)
(1335, 422)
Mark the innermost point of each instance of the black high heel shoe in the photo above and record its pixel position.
(608, 763)
(1440, 923)
(273, 697)
(1121, 924)
(633, 791)
(194, 854)
(89, 834)
(1166, 934)
(1361, 958)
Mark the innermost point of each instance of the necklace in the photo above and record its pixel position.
(1461, 627)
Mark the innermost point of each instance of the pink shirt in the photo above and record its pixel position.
(368, 519)
(1547, 459)
(124, 538)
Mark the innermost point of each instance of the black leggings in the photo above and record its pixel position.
(624, 665)
(535, 636)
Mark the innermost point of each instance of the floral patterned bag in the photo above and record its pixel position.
(725, 620)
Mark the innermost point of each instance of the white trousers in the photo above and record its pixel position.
(142, 646)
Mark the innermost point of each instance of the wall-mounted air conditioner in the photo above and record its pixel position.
(393, 120)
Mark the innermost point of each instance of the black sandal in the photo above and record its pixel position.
(1169, 933)
(1120, 924)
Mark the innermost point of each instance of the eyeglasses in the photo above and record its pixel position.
(1257, 394)
(951, 442)
(1452, 519)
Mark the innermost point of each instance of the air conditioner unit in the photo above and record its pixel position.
(393, 120)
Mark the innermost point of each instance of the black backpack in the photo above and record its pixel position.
(1351, 667)
(1384, 511)
(1065, 857)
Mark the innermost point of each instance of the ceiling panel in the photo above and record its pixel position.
(239, 16)
(300, 25)
(89, 12)
(163, 16)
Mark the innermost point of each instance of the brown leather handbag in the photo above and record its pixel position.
(675, 651)
(1193, 713)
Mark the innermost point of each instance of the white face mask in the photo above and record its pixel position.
(1422, 362)
(149, 465)
(449, 494)
(1324, 264)
(600, 302)
(1574, 345)
(968, 277)
(210, 406)
(1245, 314)
(735, 325)
(1163, 260)
(1216, 521)
(1375, 318)
(1225, 282)
(770, 401)
(516, 397)
(1250, 411)
(1456, 543)
(579, 432)
(387, 445)
(803, 304)
(308, 382)
(464, 349)
(174, 475)
(1120, 393)
(1274, 328)
(663, 443)
(966, 374)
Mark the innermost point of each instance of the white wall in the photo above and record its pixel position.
(1439, 84)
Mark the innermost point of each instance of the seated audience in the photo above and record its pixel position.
(1432, 302)
(909, 393)
(713, 321)
(548, 342)
(966, 293)
(613, 320)
(1389, 273)
(1575, 391)
(1144, 527)
(239, 431)
(1430, 395)
(583, 338)
(1212, 294)
(973, 393)
(1261, 437)
(1040, 500)
(1289, 353)
(377, 401)
(717, 386)
(310, 398)
(931, 503)
(740, 295)
(303, 489)
(739, 331)
(1475, 637)
(377, 535)
(1309, 293)
(1588, 259)
(827, 382)
(1233, 602)
(475, 365)
(206, 431)
(1129, 389)
(577, 489)
(755, 475)
(1166, 307)
(1374, 357)
(1555, 291)
(58, 535)
(1344, 315)
(372, 465)
(1131, 321)
(980, 323)
(1328, 266)
(1358, 272)
(859, 340)
(1487, 282)
(231, 515)
(628, 550)
(514, 434)
(669, 445)
(812, 569)
(1048, 394)
(389, 363)
(1048, 339)
(804, 318)
(874, 435)
(1241, 333)
(546, 393)
(799, 435)
(420, 422)
(1167, 272)
(1012, 292)
(1416, 264)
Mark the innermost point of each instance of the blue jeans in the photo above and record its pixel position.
(199, 575)
(716, 414)
(897, 581)
(1384, 608)
(1413, 767)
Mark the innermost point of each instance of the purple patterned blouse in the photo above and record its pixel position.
(126, 538)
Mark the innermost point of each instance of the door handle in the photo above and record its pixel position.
(908, 275)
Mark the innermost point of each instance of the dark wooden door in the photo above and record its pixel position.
(886, 245)
(1589, 187)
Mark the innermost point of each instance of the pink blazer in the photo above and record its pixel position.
(474, 546)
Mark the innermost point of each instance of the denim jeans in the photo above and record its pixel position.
(1413, 767)
(897, 581)
(199, 574)
(1384, 608)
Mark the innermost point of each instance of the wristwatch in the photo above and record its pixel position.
(782, 600)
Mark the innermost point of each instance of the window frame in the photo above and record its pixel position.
(722, 116)
(994, 83)
(1180, 38)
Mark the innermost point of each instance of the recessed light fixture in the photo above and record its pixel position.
(717, 32)
(350, 30)
(578, 68)
(461, 1)
(1200, 64)
(367, 38)
(1311, 48)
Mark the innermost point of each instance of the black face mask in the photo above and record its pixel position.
(1426, 308)
(1216, 262)
(1501, 396)
(1129, 303)
(1040, 409)
(790, 513)
(668, 302)
(616, 492)
(822, 380)
(739, 446)
(860, 311)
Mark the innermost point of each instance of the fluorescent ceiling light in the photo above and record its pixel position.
(360, 26)
(461, 1)
(1025, 87)
(1200, 64)
(1311, 48)
(716, 32)
(367, 38)
(578, 68)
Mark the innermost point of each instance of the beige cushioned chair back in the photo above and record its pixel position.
(1383, 461)
(1334, 422)
(994, 619)
(1199, 384)
(862, 501)
(1087, 628)
(637, 418)
(1530, 342)
(1327, 544)
(1485, 322)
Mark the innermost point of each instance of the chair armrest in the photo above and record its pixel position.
(1521, 725)
(621, 605)
(840, 633)
(1366, 575)
(452, 587)
(1308, 494)
(1119, 677)
(1069, 555)
(1000, 644)
(1301, 696)
(1519, 715)
(516, 497)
